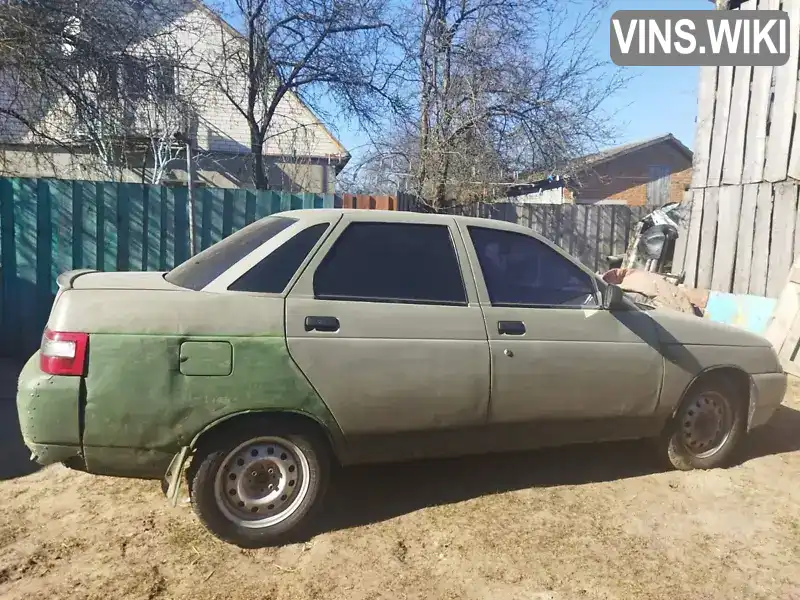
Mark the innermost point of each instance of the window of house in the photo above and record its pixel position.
(272, 274)
(519, 270)
(200, 270)
(163, 80)
(148, 80)
(134, 80)
(392, 262)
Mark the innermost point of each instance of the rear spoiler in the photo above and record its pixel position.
(65, 280)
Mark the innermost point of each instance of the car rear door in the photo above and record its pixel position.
(556, 353)
(386, 325)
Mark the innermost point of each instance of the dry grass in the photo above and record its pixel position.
(578, 523)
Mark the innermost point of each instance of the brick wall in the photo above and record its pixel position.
(625, 179)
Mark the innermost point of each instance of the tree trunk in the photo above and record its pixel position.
(260, 179)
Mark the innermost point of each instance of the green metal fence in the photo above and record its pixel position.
(50, 226)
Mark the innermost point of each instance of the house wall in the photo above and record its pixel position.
(207, 46)
(301, 151)
(625, 179)
(223, 170)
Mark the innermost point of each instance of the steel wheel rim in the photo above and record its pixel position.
(262, 482)
(706, 424)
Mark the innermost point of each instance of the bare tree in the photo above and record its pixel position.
(95, 78)
(328, 53)
(503, 87)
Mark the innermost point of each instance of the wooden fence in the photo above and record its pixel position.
(51, 226)
(588, 232)
(744, 228)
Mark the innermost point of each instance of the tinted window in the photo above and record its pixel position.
(392, 262)
(273, 273)
(200, 270)
(520, 270)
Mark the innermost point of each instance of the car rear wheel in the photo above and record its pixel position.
(708, 426)
(258, 486)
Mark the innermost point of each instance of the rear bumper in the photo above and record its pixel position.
(768, 392)
(49, 409)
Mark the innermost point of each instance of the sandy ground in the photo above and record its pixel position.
(599, 521)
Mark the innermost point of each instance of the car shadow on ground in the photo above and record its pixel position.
(779, 436)
(370, 494)
(14, 456)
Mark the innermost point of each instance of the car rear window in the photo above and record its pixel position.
(200, 270)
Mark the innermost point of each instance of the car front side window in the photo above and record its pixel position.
(406, 263)
(519, 270)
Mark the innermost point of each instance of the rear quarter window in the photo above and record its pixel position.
(203, 268)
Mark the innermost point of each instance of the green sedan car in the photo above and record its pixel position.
(316, 338)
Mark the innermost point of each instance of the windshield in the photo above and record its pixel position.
(200, 270)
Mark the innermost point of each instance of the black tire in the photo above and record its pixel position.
(218, 453)
(685, 453)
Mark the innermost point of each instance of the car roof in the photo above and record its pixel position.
(389, 216)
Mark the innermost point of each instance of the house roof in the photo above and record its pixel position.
(592, 160)
(234, 32)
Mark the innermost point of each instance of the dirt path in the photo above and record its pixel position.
(582, 523)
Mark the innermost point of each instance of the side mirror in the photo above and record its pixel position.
(612, 297)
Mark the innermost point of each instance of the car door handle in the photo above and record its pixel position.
(322, 324)
(511, 327)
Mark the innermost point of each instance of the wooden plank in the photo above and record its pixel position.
(568, 228)
(783, 330)
(785, 316)
(794, 160)
(581, 241)
(760, 94)
(734, 145)
(720, 130)
(782, 239)
(693, 228)
(708, 232)
(729, 207)
(679, 256)
(592, 230)
(623, 228)
(760, 263)
(780, 134)
(744, 242)
(789, 347)
(537, 219)
(740, 101)
(705, 124)
(604, 240)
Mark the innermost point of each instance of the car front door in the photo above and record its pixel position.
(389, 331)
(557, 355)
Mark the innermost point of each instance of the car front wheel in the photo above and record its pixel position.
(707, 427)
(257, 486)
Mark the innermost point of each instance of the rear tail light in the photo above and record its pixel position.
(63, 353)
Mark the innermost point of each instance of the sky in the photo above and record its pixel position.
(658, 100)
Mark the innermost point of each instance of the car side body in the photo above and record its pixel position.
(384, 379)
